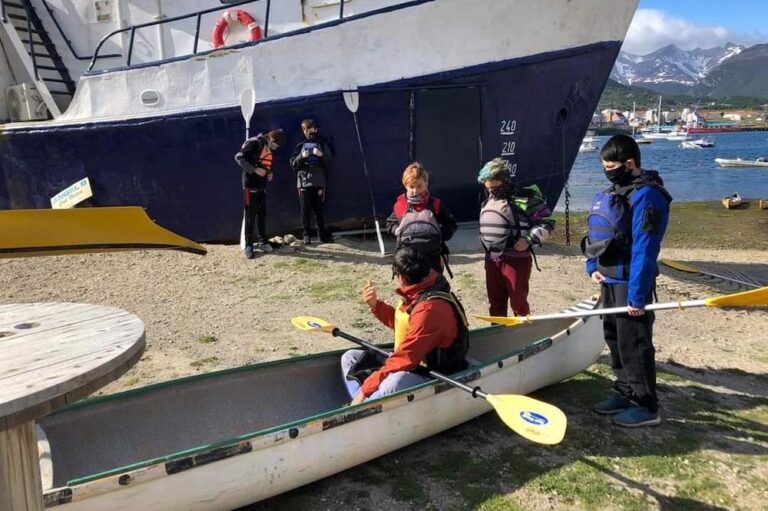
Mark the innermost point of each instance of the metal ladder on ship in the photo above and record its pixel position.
(39, 56)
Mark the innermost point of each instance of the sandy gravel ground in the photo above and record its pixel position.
(221, 310)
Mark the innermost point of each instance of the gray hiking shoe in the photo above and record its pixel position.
(262, 247)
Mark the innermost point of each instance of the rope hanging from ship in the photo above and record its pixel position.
(231, 16)
(562, 120)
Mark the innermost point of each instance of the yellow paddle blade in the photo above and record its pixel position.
(530, 418)
(755, 298)
(677, 265)
(503, 320)
(312, 324)
(38, 232)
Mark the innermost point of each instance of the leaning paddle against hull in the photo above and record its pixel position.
(226, 439)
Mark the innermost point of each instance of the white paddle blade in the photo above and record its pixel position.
(530, 418)
(247, 102)
(312, 324)
(352, 99)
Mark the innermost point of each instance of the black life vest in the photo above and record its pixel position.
(609, 225)
(453, 358)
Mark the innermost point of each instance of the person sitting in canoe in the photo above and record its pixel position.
(430, 328)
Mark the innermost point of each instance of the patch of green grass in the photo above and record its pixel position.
(339, 289)
(665, 465)
(500, 503)
(703, 487)
(582, 484)
(280, 265)
(466, 281)
(695, 225)
(404, 488)
(206, 362)
(663, 375)
(207, 339)
(307, 265)
(130, 381)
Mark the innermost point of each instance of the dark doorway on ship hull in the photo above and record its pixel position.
(447, 133)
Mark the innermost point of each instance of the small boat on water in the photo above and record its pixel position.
(732, 201)
(698, 143)
(587, 146)
(222, 440)
(739, 162)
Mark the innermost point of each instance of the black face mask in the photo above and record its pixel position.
(619, 176)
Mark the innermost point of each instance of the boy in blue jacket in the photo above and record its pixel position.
(625, 227)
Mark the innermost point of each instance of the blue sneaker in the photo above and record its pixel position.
(637, 417)
(613, 405)
(249, 251)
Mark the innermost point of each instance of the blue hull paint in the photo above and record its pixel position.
(181, 168)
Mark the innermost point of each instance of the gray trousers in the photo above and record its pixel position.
(395, 382)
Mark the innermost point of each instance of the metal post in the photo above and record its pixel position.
(197, 33)
(31, 42)
(266, 20)
(341, 10)
(130, 47)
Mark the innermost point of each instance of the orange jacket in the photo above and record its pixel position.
(432, 325)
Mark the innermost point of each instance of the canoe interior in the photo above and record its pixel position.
(160, 420)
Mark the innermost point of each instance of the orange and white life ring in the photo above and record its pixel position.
(230, 16)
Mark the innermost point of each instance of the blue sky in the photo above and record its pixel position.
(692, 24)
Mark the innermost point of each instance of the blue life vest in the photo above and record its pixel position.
(609, 225)
(609, 233)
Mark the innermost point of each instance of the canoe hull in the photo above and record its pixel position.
(254, 468)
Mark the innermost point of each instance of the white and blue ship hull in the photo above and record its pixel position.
(503, 94)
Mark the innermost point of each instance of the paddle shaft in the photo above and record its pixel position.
(247, 103)
(617, 310)
(353, 109)
(476, 392)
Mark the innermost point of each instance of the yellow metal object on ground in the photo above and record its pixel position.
(39, 232)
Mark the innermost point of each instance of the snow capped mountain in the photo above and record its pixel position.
(670, 69)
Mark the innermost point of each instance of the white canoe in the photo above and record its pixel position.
(223, 440)
(738, 162)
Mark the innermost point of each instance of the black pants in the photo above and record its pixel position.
(630, 339)
(255, 213)
(311, 199)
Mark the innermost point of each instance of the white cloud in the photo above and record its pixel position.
(652, 29)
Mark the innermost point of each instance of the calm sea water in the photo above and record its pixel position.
(689, 174)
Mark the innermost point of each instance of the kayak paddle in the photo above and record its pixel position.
(352, 102)
(247, 103)
(756, 298)
(530, 418)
